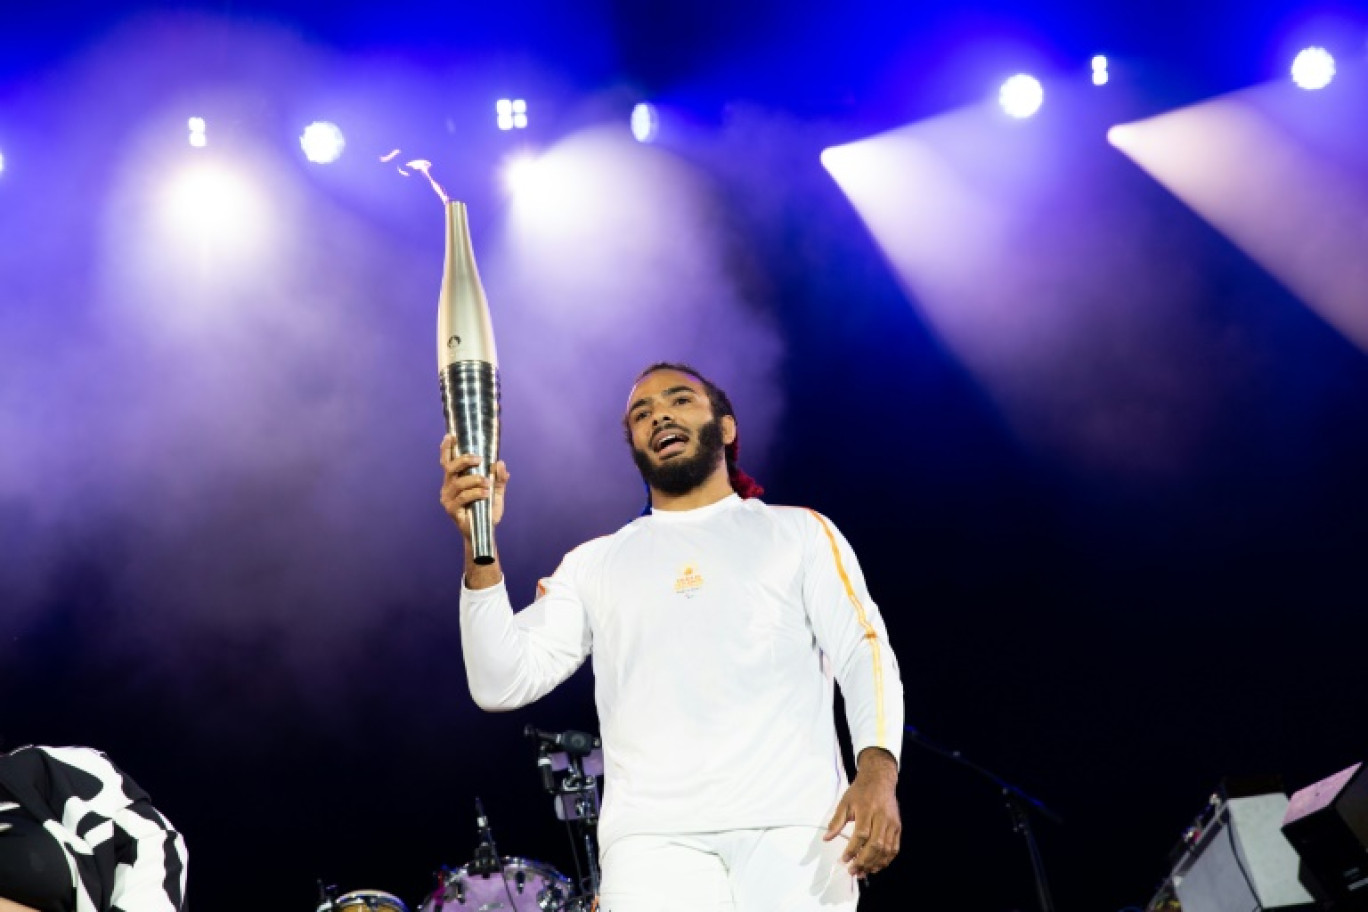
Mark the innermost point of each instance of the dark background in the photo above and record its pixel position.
(270, 647)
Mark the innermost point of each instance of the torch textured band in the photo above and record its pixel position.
(470, 397)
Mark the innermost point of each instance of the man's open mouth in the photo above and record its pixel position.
(669, 443)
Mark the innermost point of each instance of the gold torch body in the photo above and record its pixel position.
(468, 367)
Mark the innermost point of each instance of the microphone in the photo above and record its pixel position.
(574, 743)
(544, 767)
(486, 860)
(482, 822)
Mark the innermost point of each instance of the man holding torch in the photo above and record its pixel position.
(716, 624)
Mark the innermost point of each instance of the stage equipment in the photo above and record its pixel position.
(512, 113)
(578, 757)
(370, 901)
(357, 901)
(517, 885)
(468, 367)
(490, 881)
(322, 142)
(571, 764)
(1021, 96)
(1234, 857)
(1327, 825)
(1020, 806)
(1313, 68)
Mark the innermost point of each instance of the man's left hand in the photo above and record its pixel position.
(872, 802)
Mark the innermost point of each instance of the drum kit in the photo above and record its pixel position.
(571, 764)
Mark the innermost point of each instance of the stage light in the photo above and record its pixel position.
(521, 174)
(199, 136)
(1287, 207)
(1100, 75)
(322, 142)
(645, 122)
(1313, 68)
(1021, 96)
(216, 203)
(511, 113)
(1119, 136)
(837, 158)
(2, 162)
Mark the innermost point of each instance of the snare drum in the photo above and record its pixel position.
(522, 886)
(369, 901)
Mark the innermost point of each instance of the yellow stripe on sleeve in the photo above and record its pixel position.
(870, 633)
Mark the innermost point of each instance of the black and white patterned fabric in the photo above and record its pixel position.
(121, 853)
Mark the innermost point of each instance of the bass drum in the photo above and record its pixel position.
(368, 901)
(522, 886)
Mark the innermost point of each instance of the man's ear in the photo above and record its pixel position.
(728, 423)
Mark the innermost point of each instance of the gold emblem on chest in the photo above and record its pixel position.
(689, 581)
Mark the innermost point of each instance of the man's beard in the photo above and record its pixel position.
(683, 474)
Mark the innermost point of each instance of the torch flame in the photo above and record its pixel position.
(425, 168)
(421, 165)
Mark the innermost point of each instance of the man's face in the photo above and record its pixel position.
(676, 442)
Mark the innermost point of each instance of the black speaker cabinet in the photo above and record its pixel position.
(1241, 862)
(1327, 823)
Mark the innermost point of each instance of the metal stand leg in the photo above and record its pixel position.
(1021, 823)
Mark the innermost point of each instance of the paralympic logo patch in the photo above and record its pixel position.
(689, 582)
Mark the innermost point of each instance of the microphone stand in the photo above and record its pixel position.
(487, 860)
(584, 789)
(576, 801)
(327, 896)
(1019, 807)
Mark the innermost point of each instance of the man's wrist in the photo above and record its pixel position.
(482, 576)
(876, 761)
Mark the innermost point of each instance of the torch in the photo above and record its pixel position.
(467, 366)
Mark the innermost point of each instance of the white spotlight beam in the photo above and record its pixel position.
(1034, 290)
(1298, 214)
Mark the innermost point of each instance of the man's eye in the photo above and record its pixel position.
(682, 400)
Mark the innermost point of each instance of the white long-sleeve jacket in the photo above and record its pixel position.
(714, 633)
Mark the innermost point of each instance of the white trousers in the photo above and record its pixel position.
(780, 869)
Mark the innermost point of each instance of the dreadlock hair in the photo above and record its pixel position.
(741, 482)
